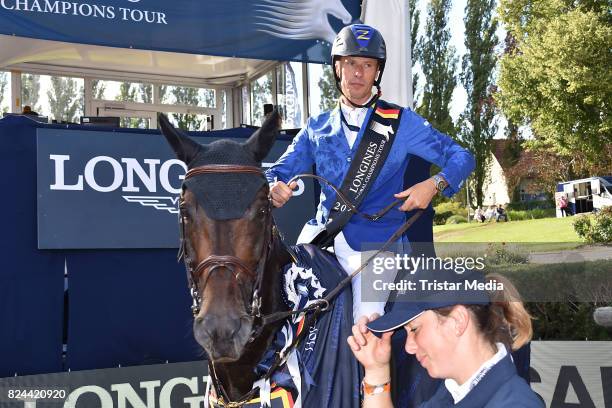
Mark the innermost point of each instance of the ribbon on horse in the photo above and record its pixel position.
(321, 371)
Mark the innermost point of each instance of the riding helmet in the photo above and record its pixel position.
(360, 40)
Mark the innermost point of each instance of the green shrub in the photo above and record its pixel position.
(504, 254)
(453, 206)
(456, 219)
(582, 225)
(446, 210)
(520, 215)
(562, 297)
(441, 217)
(595, 228)
(517, 215)
(530, 205)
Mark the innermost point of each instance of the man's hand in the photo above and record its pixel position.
(419, 195)
(372, 352)
(280, 192)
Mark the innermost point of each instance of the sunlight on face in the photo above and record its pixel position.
(357, 75)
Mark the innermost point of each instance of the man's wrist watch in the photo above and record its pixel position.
(369, 389)
(440, 182)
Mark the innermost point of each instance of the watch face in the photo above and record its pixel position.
(440, 183)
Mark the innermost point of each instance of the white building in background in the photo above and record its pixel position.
(495, 188)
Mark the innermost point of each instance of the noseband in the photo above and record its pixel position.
(212, 262)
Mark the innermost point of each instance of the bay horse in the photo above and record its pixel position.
(234, 258)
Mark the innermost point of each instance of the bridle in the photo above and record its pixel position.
(213, 262)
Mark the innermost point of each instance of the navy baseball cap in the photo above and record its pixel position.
(440, 290)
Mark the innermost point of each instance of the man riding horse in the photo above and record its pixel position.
(367, 146)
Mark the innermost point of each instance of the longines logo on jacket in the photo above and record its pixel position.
(367, 166)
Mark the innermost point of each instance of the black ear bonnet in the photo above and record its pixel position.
(224, 196)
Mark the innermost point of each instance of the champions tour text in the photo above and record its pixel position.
(85, 10)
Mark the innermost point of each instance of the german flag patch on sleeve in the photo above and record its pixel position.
(388, 113)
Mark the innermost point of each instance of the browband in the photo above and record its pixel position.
(223, 168)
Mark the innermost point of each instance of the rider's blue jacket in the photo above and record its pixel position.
(322, 143)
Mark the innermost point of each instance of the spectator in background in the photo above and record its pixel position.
(479, 215)
(27, 110)
(564, 206)
(490, 213)
(501, 214)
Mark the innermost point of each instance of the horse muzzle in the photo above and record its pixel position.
(224, 338)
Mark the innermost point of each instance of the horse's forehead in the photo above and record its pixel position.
(225, 196)
(224, 152)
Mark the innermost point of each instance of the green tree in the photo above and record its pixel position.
(30, 91)
(127, 93)
(187, 96)
(65, 99)
(329, 92)
(477, 123)
(262, 94)
(98, 89)
(3, 84)
(146, 92)
(558, 80)
(438, 62)
(415, 21)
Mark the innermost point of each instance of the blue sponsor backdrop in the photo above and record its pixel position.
(109, 189)
(114, 306)
(297, 30)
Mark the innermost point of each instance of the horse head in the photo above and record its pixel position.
(227, 235)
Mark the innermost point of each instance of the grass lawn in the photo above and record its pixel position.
(558, 231)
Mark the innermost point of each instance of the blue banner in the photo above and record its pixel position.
(288, 30)
(101, 189)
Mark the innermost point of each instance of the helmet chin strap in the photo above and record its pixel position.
(372, 99)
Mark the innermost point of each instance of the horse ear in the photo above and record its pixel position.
(184, 148)
(262, 140)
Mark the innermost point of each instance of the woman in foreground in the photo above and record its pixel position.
(464, 338)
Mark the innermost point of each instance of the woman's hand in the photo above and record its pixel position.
(372, 352)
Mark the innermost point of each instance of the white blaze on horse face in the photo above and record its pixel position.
(300, 19)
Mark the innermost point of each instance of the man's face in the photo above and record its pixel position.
(357, 77)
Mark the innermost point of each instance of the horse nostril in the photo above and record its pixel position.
(198, 320)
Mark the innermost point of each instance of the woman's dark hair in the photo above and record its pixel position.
(504, 320)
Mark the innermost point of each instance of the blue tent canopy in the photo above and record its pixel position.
(287, 30)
